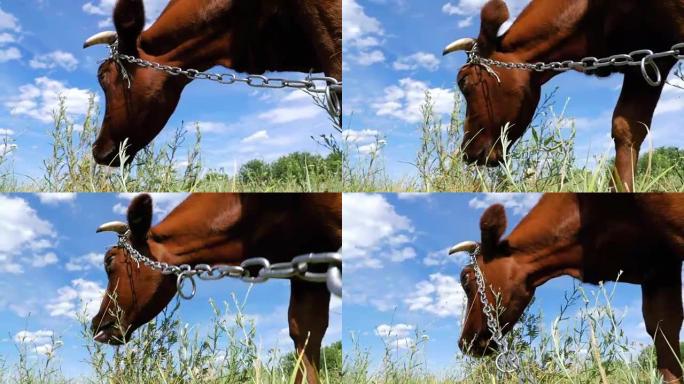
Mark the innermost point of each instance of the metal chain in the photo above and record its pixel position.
(297, 268)
(330, 87)
(644, 58)
(507, 361)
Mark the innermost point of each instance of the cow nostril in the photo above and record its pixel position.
(105, 156)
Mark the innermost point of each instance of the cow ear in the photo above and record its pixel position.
(129, 20)
(140, 217)
(493, 15)
(492, 227)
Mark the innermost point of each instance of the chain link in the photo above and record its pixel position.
(329, 87)
(507, 361)
(297, 268)
(644, 59)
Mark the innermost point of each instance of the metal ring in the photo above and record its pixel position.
(333, 101)
(334, 281)
(511, 362)
(181, 281)
(647, 77)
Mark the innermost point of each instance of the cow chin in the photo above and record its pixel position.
(479, 346)
(109, 155)
(487, 156)
(111, 334)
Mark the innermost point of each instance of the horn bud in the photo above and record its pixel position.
(106, 38)
(466, 246)
(464, 44)
(113, 226)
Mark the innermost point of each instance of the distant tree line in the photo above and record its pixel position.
(297, 167)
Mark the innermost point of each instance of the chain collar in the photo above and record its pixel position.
(644, 58)
(506, 361)
(329, 87)
(297, 268)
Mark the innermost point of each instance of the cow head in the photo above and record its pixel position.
(494, 96)
(135, 293)
(501, 275)
(134, 114)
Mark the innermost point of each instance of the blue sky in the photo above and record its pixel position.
(41, 58)
(399, 278)
(392, 54)
(51, 268)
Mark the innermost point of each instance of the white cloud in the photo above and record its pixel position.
(81, 297)
(56, 198)
(367, 58)
(163, 202)
(442, 296)
(85, 262)
(283, 115)
(55, 59)
(256, 137)
(211, 127)
(403, 101)
(22, 231)
(442, 257)
(9, 54)
(363, 136)
(465, 23)
(396, 336)
(44, 260)
(362, 34)
(467, 9)
(413, 196)
(43, 341)
(417, 60)
(6, 38)
(519, 203)
(9, 22)
(373, 232)
(41, 99)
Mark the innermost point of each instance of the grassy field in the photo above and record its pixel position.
(584, 344)
(544, 160)
(168, 350)
(174, 166)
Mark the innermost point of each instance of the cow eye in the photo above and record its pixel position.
(462, 83)
(108, 263)
(464, 281)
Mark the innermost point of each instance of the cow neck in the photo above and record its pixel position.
(545, 243)
(531, 40)
(229, 228)
(201, 230)
(189, 36)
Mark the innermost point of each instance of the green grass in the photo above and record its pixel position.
(168, 350)
(542, 161)
(173, 166)
(585, 345)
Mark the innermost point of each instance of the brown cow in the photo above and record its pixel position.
(559, 30)
(251, 36)
(223, 229)
(591, 237)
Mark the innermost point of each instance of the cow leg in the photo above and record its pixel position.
(662, 308)
(631, 120)
(308, 318)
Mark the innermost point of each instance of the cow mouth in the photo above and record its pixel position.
(490, 160)
(109, 333)
(480, 347)
(110, 156)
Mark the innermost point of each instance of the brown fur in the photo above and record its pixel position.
(251, 36)
(224, 229)
(559, 30)
(591, 237)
